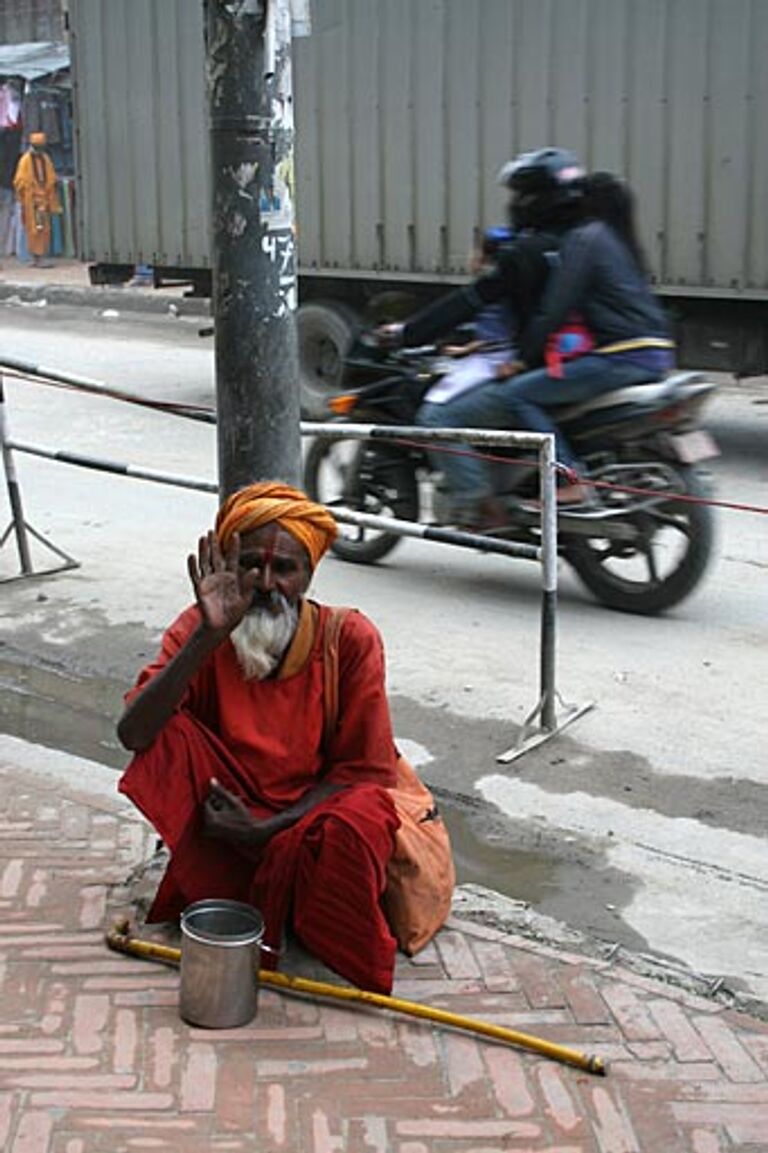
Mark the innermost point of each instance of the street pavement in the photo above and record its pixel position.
(94, 1055)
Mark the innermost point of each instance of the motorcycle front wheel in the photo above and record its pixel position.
(363, 477)
(664, 564)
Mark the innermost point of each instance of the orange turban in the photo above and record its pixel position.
(259, 504)
(38, 139)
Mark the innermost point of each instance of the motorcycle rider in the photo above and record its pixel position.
(491, 351)
(517, 278)
(599, 278)
(594, 278)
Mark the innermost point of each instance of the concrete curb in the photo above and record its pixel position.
(125, 299)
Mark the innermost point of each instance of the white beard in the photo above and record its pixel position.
(262, 637)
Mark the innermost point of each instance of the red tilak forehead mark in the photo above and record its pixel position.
(268, 554)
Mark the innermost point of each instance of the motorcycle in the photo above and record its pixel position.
(641, 545)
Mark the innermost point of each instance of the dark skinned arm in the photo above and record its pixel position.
(154, 706)
(223, 593)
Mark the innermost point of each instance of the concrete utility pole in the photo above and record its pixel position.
(248, 45)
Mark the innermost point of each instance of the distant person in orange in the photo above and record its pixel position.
(35, 186)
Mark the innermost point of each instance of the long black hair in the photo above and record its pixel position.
(610, 199)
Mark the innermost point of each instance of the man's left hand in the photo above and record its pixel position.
(228, 819)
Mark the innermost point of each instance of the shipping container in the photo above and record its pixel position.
(406, 110)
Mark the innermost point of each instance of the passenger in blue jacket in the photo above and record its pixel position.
(599, 277)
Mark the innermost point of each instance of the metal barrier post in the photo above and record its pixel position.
(18, 524)
(548, 581)
(546, 707)
(14, 494)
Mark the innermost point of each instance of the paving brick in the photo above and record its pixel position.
(742, 1125)
(497, 966)
(468, 1130)
(33, 1132)
(687, 1042)
(199, 1073)
(540, 984)
(728, 1050)
(613, 1128)
(6, 1115)
(584, 1000)
(72, 1079)
(560, 1102)
(509, 1081)
(706, 1141)
(630, 1069)
(10, 1067)
(464, 1066)
(235, 1092)
(106, 1102)
(457, 957)
(630, 1013)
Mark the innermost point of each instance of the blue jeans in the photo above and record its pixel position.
(518, 403)
(467, 476)
(527, 399)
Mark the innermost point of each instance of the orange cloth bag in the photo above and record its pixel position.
(421, 873)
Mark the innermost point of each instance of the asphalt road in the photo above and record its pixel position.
(643, 823)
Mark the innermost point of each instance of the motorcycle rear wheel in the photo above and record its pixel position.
(631, 578)
(363, 477)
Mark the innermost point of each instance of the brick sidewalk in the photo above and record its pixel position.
(93, 1055)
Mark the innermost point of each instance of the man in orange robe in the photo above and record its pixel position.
(35, 186)
(227, 727)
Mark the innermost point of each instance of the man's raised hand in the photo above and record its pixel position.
(223, 590)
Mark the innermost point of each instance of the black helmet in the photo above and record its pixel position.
(546, 185)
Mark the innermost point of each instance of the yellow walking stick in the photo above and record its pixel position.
(122, 942)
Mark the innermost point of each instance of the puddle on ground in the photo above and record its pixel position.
(62, 711)
(516, 873)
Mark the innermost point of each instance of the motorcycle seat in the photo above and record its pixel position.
(653, 393)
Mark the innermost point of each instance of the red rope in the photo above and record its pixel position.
(685, 498)
(173, 407)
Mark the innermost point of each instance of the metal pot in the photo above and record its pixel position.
(220, 954)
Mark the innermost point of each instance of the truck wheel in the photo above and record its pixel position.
(325, 335)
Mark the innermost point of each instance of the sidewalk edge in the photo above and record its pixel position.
(102, 298)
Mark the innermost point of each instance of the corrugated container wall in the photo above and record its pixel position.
(31, 21)
(141, 133)
(407, 108)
